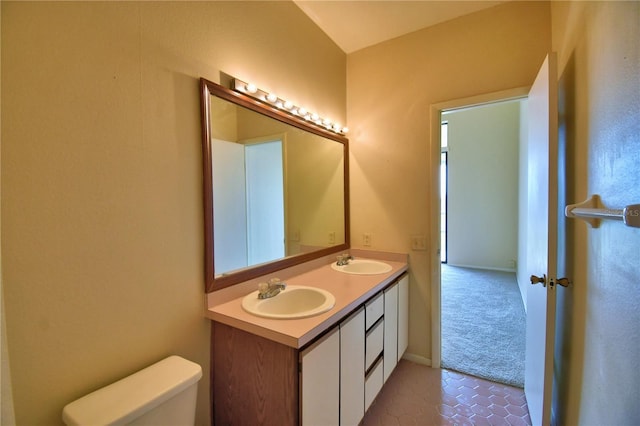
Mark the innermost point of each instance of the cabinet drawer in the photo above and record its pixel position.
(373, 384)
(374, 310)
(374, 344)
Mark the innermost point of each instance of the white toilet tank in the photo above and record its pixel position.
(162, 394)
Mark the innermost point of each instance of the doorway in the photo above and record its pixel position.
(444, 178)
(470, 202)
(251, 177)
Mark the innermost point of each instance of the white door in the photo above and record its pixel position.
(542, 240)
(229, 206)
(265, 202)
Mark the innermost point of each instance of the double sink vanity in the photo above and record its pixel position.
(285, 362)
(305, 329)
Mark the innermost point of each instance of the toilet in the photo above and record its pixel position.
(162, 394)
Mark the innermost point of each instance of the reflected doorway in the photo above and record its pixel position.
(249, 181)
(265, 202)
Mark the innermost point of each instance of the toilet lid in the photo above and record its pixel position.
(132, 396)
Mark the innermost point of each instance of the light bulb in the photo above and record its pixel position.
(272, 98)
(345, 130)
(251, 88)
(302, 111)
(288, 104)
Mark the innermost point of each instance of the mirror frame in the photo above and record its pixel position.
(213, 283)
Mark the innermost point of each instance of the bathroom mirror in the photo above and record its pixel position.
(275, 188)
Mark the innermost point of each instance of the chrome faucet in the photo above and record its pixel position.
(271, 288)
(344, 259)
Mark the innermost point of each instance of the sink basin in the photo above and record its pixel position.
(363, 267)
(291, 303)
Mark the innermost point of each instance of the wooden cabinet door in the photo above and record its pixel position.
(390, 330)
(320, 381)
(352, 369)
(255, 380)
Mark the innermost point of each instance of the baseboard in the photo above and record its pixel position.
(417, 359)
(486, 268)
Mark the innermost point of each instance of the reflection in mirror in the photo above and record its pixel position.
(275, 188)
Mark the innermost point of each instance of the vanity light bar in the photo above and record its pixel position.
(287, 106)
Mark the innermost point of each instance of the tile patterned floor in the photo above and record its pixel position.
(423, 396)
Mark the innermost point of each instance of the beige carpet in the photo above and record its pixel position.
(483, 324)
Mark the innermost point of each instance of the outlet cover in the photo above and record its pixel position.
(366, 239)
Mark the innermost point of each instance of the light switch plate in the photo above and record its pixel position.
(418, 242)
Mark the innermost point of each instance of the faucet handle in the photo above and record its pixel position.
(273, 281)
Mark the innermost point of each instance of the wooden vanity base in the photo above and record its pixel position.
(254, 380)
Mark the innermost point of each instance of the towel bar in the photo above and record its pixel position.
(592, 211)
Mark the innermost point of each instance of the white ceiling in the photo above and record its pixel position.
(354, 25)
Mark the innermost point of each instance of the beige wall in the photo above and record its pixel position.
(101, 177)
(390, 89)
(315, 185)
(598, 338)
